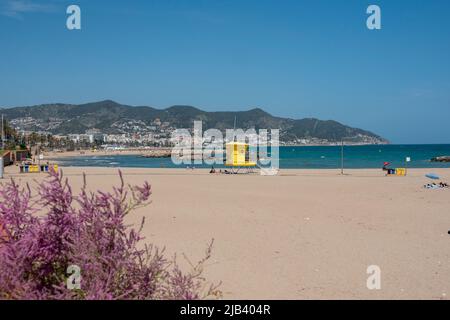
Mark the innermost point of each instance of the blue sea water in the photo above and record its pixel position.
(320, 157)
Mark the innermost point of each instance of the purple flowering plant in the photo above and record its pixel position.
(41, 236)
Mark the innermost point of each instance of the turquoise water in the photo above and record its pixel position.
(326, 157)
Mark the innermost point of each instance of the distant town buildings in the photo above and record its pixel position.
(139, 133)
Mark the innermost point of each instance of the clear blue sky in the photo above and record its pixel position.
(292, 58)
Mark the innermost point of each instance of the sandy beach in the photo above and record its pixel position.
(305, 234)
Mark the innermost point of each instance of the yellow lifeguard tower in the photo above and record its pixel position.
(237, 156)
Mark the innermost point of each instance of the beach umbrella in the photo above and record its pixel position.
(432, 176)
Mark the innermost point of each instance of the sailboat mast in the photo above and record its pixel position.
(234, 130)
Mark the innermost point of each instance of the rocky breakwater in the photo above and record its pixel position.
(157, 153)
(441, 159)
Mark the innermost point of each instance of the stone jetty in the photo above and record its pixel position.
(441, 159)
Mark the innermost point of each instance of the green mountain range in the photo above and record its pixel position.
(111, 117)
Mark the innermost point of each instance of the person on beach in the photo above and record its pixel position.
(387, 169)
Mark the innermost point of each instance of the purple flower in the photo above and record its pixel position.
(86, 230)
